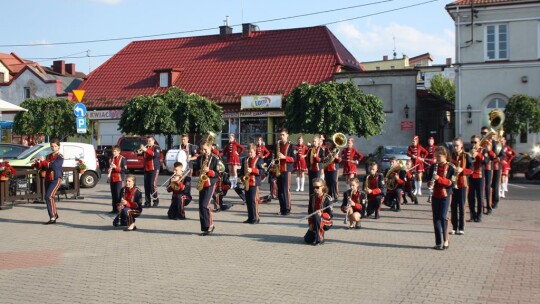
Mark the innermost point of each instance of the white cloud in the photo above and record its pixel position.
(374, 41)
(43, 43)
(109, 1)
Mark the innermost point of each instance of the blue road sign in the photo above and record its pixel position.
(81, 125)
(80, 110)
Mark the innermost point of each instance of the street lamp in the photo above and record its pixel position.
(469, 112)
(406, 109)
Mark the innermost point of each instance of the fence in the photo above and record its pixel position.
(28, 185)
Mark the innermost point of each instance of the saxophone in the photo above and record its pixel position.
(366, 185)
(203, 178)
(245, 178)
(277, 161)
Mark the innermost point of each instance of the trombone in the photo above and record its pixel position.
(184, 175)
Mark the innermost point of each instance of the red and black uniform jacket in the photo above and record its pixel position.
(479, 163)
(443, 186)
(332, 166)
(489, 156)
(509, 154)
(180, 187)
(212, 166)
(400, 179)
(499, 156)
(232, 148)
(262, 151)
(463, 160)
(118, 174)
(256, 165)
(314, 158)
(358, 197)
(375, 183)
(287, 149)
(350, 155)
(151, 158)
(430, 158)
(409, 177)
(317, 203)
(133, 196)
(52, 165)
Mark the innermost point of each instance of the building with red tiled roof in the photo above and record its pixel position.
(225, 68)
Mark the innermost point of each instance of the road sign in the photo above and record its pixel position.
(80, 110)
(81, 125)
(79, 94)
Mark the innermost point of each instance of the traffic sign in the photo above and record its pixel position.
(78, 94)
(81, 125)
(80, 110)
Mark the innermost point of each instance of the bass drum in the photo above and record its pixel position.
(176, 156)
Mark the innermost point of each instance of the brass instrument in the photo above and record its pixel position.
(276, 162)
(366, 185)
(140, 151)
(175, 183)
(460, 164)
(391, 184)
(496, 120)
(245, 178)
(203, 178)
(339, 140)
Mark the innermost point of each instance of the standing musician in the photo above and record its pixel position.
(272, 179)
(374, 188)
(418, 154)
(489, 156)
(315, 157)
(464, 167)
(181, 196)
(409, 179)
(509, 154)
(285, 154)
(322, 219)
(262, 151)
(130, 205)
(191, 151)
(353, 204)
(441, 178)
(394, 181)
(497, 168)
(223, 184)
(151, 153)
(300, 165)
(331, 153)
(232, 151)
(207, 165)
(476, 181)
(430, 158)
(52, 164)
(117, 176)
(350, 158)
(252, 168)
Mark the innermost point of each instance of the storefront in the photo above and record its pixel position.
(5, 131)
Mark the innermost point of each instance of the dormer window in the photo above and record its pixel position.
(167, 77)
(163, 80)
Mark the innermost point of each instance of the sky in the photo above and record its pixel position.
(370, 29)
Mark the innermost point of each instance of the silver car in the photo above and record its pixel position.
(382, 156)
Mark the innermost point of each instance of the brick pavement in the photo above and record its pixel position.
(83, 259)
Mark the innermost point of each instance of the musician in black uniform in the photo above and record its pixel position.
(315, 157)
(331, 161)
(374, 188)
(117, 176)
(52, 164)
(130, 205)
(498, 150)
(395, 180)
(320, 204)
(191, 152)
(179, 185)
(151, 153)
(464, 167)
(476, 181)
(207, 166)
(489, 156)
(285, 154)
(354, 204)
(252, 168)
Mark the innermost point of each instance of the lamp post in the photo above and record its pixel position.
(469, 113)
(406, 109)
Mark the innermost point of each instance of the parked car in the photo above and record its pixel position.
(11, 151)
(129, 145)
(72, 152)
(382, 155)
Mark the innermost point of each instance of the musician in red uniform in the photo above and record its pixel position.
(151, 154)
(320, 204)
(207, 168)
(464, 167)
(418, 154)
(509, 154)
(262, 151)
(409, 179)
(117, 176)
(52, 164)
(332, 159)
(300, 165)
(430, 159)
(489, 157)
(130, 205)
(441, 179)
(395, 181)
(285, 154)
(223, 184)
(350, 158)
(179, 185)
(315, 157)
(353, 204)
(374, 188)
(251, 170)
(476, 181)
(232, 151)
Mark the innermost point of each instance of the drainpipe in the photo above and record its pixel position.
(458, 75)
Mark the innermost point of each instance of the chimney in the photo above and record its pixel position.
(448, 61)
(70, 68)
(225, 31)
(385, 58)
(248, 29)
(59, 66)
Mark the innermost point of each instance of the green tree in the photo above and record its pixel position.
(522, 115)
(444, 88)
(48, 116)
(331, 107)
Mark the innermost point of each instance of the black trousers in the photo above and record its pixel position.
(205, 207)
(374, 205)
(311, 176)
(177, 208)
(439, 208)
(495, 185)
(284, 192)
(458, 208)
(115, 193)
(252, 202)
(150, 186)
(394, 198)
(331, 178)
(487, 188)
(476, 201)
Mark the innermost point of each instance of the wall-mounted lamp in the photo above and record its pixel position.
(406, 109)
(469, 113)
(524, 79)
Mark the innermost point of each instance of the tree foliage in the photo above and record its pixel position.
(331, 107)
(48, 116)
(444, 88)
(522, 115)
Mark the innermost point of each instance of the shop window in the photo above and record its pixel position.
(252, 128)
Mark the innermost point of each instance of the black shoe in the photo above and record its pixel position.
(114, 211)
(397, 210)
(490, 211)
(479, 220)
(438, 247)
(247, 221)
(377, 217)
(155, 205)
(416, 201)
(50, 222)
(147, 206)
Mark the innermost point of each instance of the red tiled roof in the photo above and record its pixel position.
(15, 63)
(222, 69)
(487, 2)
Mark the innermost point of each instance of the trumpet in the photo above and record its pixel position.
(140, 151)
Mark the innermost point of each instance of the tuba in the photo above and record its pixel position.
(339, 140)
(391, 184)
(496, 120)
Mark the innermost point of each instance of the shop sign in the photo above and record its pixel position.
(262, 114)
(105, 114)
(261, 102)
(407, 125)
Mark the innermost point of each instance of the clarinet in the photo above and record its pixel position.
(349, 200)
(432, 181)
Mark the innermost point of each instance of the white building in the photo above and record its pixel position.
(497, 56)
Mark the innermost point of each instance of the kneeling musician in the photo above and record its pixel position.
(354, 204)
(179, 186)
(320, 213)
(394, 180)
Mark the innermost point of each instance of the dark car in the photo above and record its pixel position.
(11, 151)
(382, 155)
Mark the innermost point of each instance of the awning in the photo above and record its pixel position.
(6, 124)
(9, 107)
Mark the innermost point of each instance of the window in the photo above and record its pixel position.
(26, 92)
(496, 103)
(377, 68)
(164, 80)
(496, 42)
(392, 67)
(2, 75)
(523, 137)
